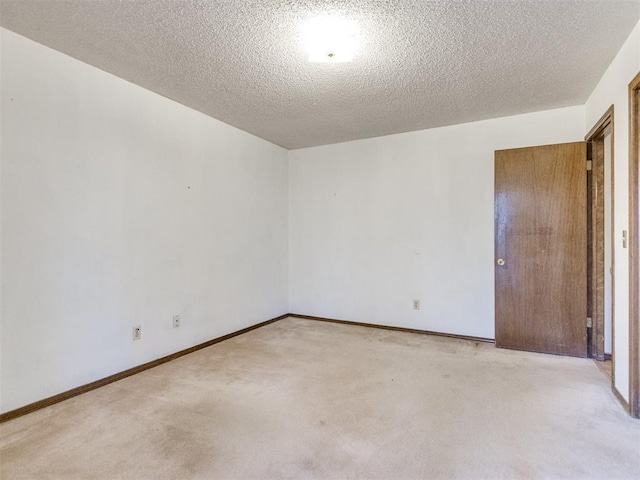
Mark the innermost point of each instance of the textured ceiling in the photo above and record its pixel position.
(421, 64)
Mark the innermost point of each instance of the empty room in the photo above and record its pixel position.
(328, 239)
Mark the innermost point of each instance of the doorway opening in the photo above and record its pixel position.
(600, 256)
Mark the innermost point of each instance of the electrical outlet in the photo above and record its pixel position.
(137, 332)
(416, 304)
(176, 321)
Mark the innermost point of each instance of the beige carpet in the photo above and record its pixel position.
(303, 399)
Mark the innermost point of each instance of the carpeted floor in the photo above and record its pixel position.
(305, 399)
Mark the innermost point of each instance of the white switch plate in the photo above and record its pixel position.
(416, 304)
(176, 321)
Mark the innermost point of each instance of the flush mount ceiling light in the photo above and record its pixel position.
(330, 39)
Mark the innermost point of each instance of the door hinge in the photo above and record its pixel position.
(589, 165)
(589, 322)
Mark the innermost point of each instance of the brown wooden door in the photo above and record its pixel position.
(541, 249)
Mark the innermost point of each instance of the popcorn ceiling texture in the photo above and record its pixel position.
(421, 64)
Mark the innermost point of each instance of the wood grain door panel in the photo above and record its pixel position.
(541, 234)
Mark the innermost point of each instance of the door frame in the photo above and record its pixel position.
(603, 127)
(634, 246)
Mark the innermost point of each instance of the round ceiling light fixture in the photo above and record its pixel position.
(330, 39)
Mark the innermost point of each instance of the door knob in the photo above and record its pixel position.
(500, 261)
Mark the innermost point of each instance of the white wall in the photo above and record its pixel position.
(376, 223)
(613, 88)
(121, 207)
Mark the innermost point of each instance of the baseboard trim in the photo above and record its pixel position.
(74, 392)
(395, 329)
(621, 399)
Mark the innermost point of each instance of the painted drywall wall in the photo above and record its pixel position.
(613, 89)
(1, 268)
(123, 208)
(377, 223)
